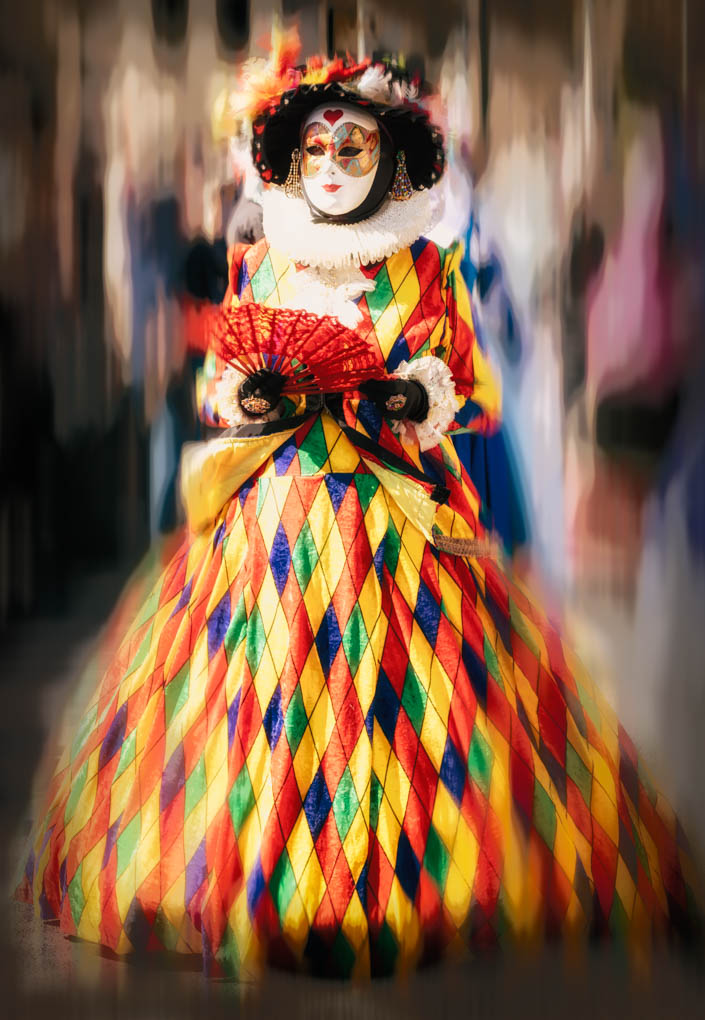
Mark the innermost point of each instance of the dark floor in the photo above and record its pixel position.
(46, 974)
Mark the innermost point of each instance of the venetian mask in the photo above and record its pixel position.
(340, 156)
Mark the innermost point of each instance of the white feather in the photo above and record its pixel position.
(375, 85)
(402, 92)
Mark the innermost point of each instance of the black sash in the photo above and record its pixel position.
(333, 403)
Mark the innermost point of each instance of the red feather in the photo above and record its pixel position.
(316, 354)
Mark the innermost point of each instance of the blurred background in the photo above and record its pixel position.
(577, 137)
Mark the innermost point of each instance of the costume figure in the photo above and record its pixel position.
(337, 737)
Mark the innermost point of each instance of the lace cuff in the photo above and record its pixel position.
(443, 405)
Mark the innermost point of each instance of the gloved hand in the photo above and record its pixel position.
(397, 398)
(260, 392)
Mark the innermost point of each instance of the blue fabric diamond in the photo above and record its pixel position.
(317, 804)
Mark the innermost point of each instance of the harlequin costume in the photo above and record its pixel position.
(337, 736)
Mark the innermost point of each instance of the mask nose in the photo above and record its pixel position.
(329, 163)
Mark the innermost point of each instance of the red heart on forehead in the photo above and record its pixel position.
(332, 115)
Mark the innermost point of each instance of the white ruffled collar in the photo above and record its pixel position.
(289, 228)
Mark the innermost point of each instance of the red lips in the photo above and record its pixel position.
(332, 187)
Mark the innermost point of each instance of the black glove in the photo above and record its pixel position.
(397, 398)
(261, 392)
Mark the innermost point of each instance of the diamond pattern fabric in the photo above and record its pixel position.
(326, 745)
(419, 305)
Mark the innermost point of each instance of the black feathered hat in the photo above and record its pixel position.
(276, 131)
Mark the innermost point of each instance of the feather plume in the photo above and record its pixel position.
(262, 81)
(375, 84)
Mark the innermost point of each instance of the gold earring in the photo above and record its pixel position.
(402, 188)
(292, 185)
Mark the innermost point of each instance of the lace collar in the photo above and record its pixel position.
(289, 228)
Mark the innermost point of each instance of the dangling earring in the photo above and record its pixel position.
(402, 188)
(292, 185)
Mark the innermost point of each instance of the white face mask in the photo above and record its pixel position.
(340, 151)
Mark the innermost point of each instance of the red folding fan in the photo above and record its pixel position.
(315, 354)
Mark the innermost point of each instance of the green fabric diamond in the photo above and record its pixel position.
(343, 955)
(195, 786)
(449, 462)
(262, 493)
(304, 556)
(520, 626)
(641, 852)
(237, 629)
(127, 842)
(619, 919)
(76, 898)
(366, 486)
(589, 705)
(345, 804)
(392, 545)
(480, 761)
(544, 815)
(241, 799)
(375, 800)
(256, 640)
(141, 651)
(414, 699)
(76, 791)
(165, 931)
(313, 452)
(296, 720)
(503, 916)
(176, 693)
(227, 953)
(127, 753)
(379, 298)
(355, 639)
(577, 771)
(492, 663)
(282, 884)
(387, 949)
(110, 706)
(149, 608)
(263, 282)
(436, 858)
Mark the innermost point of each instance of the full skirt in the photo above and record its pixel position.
(325, 745)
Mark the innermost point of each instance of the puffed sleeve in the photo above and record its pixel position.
(209, 376)
(217, 383)
(476, 383)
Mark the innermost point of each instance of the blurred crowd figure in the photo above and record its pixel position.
(577, 159)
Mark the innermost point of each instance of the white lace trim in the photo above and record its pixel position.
(443, 405)
(289, 228)
(331, 292)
